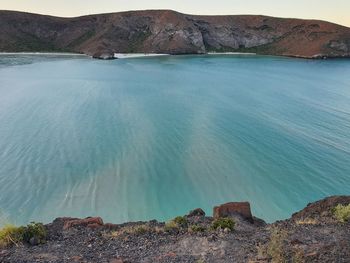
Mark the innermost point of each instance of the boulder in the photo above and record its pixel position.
(89, 221)
(196, 212)
(34, 241)
(234, 209)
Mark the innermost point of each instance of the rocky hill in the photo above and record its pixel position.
(318, 233)
(166, 31)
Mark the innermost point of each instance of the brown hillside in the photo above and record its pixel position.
(166, 31)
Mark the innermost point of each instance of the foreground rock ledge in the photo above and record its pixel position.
(311, 235)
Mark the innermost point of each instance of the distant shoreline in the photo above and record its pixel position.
(230, 53)
(119, 55)
(143, 55)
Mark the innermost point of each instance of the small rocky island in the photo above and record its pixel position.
(318, 233)
(171, 32)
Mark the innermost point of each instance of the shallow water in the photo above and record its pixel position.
(138, 139)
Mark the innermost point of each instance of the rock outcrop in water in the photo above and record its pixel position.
(314, 234)
(166, 31)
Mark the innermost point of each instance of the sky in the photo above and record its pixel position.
(337, 11)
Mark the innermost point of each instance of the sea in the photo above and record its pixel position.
(152, 138)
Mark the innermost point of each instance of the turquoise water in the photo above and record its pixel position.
(138, 139)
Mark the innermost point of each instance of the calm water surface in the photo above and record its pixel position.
(138, 139)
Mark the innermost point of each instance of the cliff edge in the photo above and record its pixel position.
(318, 233)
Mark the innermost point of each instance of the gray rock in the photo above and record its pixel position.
(34, 241)
(196, 212)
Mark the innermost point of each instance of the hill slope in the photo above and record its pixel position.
(165, 31)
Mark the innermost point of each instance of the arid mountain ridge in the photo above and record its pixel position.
(167, 31)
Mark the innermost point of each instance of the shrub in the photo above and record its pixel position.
(175, 224)
(130, 230)
(197, 228)
(180, 221)
(223, 223)
(34, 230)
(142, 229)
(171, 226)
(12, 235)
(342, 213)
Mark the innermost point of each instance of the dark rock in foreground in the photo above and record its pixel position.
(311, 235)
(170, 32)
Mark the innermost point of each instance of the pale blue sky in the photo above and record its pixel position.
(332, 10)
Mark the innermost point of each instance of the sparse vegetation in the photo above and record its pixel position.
(171, 226)
(275, 248)
(34, 230)
(222, 223)
(180, 220)
(81, 39)
(12, 235)
(175, 224)
(298, 256)
(306, 221)
(138, 37)
(142, 229)
(159, 230)
(197, 228)
(342, 213)
(130, 230)
(261, 250)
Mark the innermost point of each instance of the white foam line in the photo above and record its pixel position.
(230, 53)
(137, 55)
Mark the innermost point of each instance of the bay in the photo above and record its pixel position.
(138, 139)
